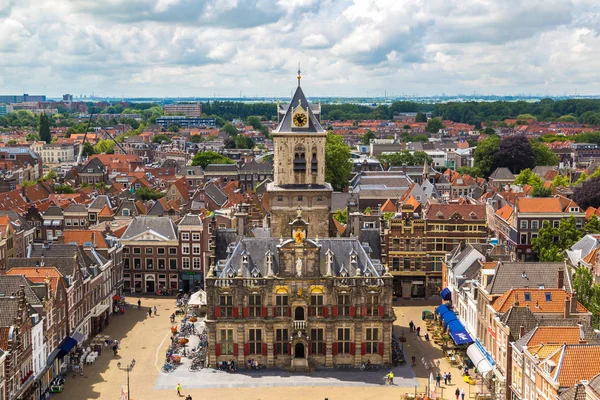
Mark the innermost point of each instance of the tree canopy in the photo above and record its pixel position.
(44, 128)
(551, 242)
(337, 161)
(405, 157)
(366, 139)
(161, 138)
(210, 157)
(434, 125)
(148, 194)
(588, 194)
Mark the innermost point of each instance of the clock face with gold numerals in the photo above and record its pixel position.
(300, 120)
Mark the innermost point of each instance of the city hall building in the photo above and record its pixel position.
(299, 299)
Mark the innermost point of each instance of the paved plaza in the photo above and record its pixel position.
(146, 339)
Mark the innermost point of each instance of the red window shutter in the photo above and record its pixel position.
(218, 349)
(264, 349)
(334, 311)
(235, 312)
(274, 311)
(246, 312)
(363, 349)
(352, 311)
(289, 348)
(380, 348)
(246, 349)
(325, 311)
(363, 311)
(289, 309)
(335, 349)
(381, 311)
(263, 312)
(352, 348)
(235, 349)
(217, 312)
(308, 312)
(309, 349)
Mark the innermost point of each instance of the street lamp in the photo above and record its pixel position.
(127, 368)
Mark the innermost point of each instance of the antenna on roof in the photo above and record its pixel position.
(299, 75)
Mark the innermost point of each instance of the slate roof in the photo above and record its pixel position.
(221, 168)
(527, 275)
(9, 307)
(163, 226)
(53, 211)
(76, 208)
(466, 211)
(576, 392)
(99, 203)
(190, 220)
(266, 166)
(215, 194)
(10, 286)
(256, 250)
(517, 317)
(286, 124)
(502, 173)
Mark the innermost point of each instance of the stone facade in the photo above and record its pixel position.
(299, 170)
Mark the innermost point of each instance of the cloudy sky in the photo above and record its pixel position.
(346, 48)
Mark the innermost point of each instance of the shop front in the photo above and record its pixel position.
(191, 281)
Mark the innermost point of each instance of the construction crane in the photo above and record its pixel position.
(84, 136)
(105, 131)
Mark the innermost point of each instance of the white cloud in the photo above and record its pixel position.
(345, 47)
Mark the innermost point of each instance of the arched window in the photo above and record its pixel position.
(314, 165)
(299, 159)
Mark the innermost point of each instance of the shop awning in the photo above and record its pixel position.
(446, 294)
(53, 356)
(56, 222)
(458, 333)
(198, 298)
(480, 359)
(67, 345)
(441, 309)
(449, 317)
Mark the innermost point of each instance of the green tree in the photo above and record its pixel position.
(543, 155)
(471, 171)
(592, 226)
(541, 191)
(524, 117)
(420, 157)
(230, 129)
(485, 155)
(105, 146)
(583, 284)
(161, 138)
(88, 150)
(64, 189)
(44, 128)
(173, 128)
(366, 139)
(196, 139)
(32, 137)
(148, 194)
(337, 161)
(243, 142)
(420, 117)
(254, 121)
(210, 157)
(560, 180)
(434, 125)
(551, 242)
(341, 216)
(527, 177)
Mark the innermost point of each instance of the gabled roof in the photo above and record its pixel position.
(85, 237)
(38, 275)
(505, 212)
(190, 220)
(577, 362)
(286, 125)
(465, 211)
(162, 226)
(538, 300)
(10, 285)
(532, 275)
(538, 205)
(105, 212)
(502, 173)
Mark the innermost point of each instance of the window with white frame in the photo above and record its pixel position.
(196, 263)
(185, 263)
(185, 249)
(185, 236)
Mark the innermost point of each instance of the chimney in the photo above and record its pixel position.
(567, 312)
(521, 331)
(561, 278)
(574, 303)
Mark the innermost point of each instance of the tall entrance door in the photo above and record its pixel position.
(299, 314)
(406, 286)
(150, 287)
(299, 350)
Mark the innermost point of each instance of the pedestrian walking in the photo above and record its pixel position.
(445, 378)
(457, 393)
(438, 379)
(149, 312)
(411, 326)
(418, 331)
(462, 394)
(155, 310)
(178, 389)
(449, 378)
(139, 304)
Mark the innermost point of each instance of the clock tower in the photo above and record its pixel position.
(299, 169)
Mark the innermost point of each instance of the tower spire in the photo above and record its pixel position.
(299, 76)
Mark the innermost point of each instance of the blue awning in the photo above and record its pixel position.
(441, 309)
(53, 356)
(458, 333)
(68, 344)
(446, 294)
(449, 317)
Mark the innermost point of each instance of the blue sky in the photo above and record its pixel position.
(346, 48)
